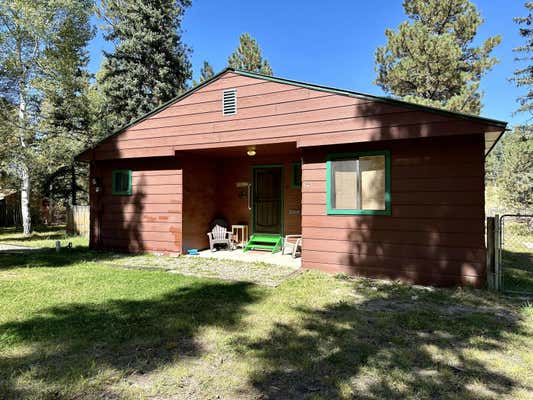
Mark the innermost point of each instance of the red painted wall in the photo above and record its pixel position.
(210, 191)
(272, 112)
(435, 234)
(148, 220)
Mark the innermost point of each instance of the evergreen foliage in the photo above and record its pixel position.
(248, 57)
(430, 59)
(66, 119)
(206, 72)
(41, 45)
(509, 167)
(149, 64)
(523, 77)
(515, 174)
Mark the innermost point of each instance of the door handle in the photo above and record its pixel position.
(249, 196)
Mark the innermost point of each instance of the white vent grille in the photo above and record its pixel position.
(229, 102)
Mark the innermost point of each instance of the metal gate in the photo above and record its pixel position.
(514, 245)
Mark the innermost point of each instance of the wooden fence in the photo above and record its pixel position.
(78, 220)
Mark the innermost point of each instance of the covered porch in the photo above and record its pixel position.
(253, 256)
(255, 186)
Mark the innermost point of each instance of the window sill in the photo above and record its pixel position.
(359, 212)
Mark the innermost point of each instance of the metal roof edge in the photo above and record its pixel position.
(156, 110)
(365, 96)
(345, 92)
(496, 141)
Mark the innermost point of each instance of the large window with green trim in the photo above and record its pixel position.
(358, 183)
(122, 182)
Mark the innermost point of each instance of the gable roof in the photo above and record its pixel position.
(344, 92)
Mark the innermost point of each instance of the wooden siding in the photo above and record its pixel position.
(200, 199)
(235, 208)
(272, 112)
(185, 174)
(210, 191)
(148, 220)
(435, 234)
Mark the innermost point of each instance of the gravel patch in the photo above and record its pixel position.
(230, 270)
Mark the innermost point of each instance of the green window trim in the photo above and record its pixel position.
(343, 156)
(296, 171)
(114, 190)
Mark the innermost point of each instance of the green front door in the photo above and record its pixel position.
(267, 199)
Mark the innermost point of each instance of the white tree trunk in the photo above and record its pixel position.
(24, 173)
(25, 199)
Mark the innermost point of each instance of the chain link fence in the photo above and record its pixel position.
(516, 253)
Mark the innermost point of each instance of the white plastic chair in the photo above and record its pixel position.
(219, 235)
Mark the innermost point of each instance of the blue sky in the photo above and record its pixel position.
(333, 43)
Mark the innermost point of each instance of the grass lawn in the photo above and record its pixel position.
(45, 238)
(41, 237)
(73, 327)
(517, 258)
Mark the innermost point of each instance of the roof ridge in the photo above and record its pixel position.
(312, 86)
(385, 99)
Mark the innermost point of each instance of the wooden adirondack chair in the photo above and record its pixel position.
(219, 235)
(292, 243)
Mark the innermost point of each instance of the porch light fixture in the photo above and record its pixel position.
(251, 152)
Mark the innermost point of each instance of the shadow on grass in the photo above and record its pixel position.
(48, 258)
(386, 347)
(76, 342)
(39, 258)
(517, 271)
(39, 232)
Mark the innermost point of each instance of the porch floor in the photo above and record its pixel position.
(253, 256)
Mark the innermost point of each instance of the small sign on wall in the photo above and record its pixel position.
(294, 212)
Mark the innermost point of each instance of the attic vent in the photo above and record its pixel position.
(229, 102)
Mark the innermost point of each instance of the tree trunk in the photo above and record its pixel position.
(23, 166)
(25, 199)
(73, 184)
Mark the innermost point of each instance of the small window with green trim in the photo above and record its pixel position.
(296, 175)
(358, 183)
(122, 182)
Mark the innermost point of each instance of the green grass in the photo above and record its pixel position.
(41, 237)
(517, 258)
(73, 327)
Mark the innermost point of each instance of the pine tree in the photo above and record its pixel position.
(66, 115)
(149, 64)
(430, 59)
(29, 30)
(206, 72)
(523, 77)
(514, 153)
(516, 177)
(248, 57)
